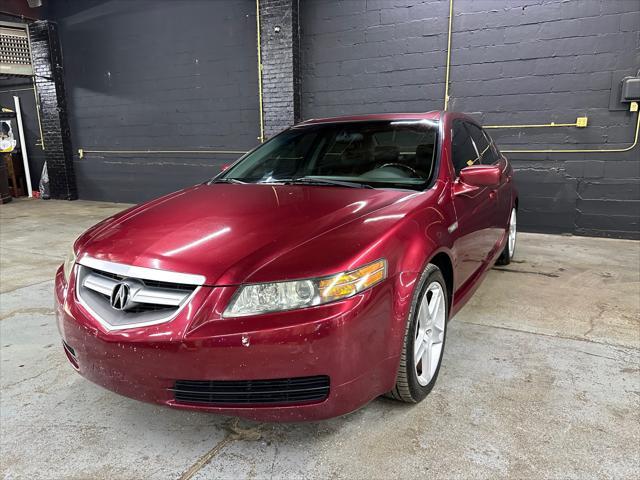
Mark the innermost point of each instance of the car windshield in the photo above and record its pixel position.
(378, 154)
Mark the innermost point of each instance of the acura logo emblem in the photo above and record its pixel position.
(120, 296)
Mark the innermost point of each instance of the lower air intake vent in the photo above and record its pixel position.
(240, 392)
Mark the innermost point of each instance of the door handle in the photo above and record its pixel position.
(492, 195)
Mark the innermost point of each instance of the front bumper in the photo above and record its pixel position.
(355, 342)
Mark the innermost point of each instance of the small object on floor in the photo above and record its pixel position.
(44, 184)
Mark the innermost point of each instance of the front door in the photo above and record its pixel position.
(474, 211)
(501, 209)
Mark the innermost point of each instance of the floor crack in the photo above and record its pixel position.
(593, 318)
(273, 463)
(530, 272)
(22, 380)
(234, 433)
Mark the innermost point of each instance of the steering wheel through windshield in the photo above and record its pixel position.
(401, 165)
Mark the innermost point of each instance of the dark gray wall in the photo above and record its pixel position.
(183, 75)
(513, 62)
(159, 75)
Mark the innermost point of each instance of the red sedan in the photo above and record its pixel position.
(313, 275)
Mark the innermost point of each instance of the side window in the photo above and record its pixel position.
(483, 144)
(464, 151)
(495, 154)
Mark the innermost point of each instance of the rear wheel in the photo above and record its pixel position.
(510, 247)
(424, 339)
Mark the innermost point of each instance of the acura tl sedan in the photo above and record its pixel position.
(315, 274)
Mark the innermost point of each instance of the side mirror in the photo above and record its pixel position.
(476, 176)
(481, 175)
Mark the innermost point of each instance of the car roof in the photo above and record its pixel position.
(433, 115)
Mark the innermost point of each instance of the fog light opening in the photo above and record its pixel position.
(71, 355)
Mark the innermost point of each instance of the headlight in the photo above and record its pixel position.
(279, 296)
(68, 263)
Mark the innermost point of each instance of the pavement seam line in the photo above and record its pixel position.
(32, 252)
(564, 337)
(37, 310)
(27, 286)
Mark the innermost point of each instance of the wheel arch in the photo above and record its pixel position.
(442, 260)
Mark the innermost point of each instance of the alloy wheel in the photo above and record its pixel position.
(512, 233)
(429, 336)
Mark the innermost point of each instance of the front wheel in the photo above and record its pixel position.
(424, 339)
(507, 254)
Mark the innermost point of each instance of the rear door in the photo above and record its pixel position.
(473, 209)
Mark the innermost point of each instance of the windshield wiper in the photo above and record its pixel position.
(227, 180)
(301, 180)
(325, 181)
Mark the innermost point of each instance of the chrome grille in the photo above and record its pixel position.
(149, 300)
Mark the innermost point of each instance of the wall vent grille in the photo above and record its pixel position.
(15, 57)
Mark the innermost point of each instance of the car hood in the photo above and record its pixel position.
(227, 232)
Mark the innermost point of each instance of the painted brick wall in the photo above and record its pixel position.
(49, 81)
(159, 75)
(280, 45)
(513, 62)
(182, 75)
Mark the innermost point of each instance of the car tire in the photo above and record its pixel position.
(414, 379)
(509, 249)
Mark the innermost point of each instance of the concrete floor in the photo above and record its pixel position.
(541, 378)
